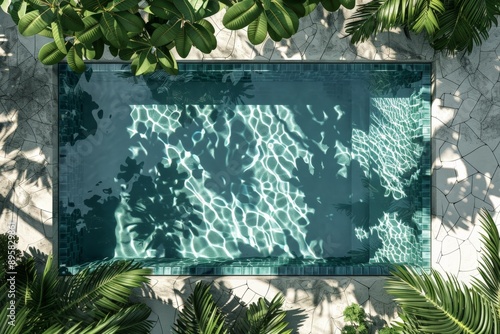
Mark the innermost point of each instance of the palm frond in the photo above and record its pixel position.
(264, 317)
(432, 303)
(465, 23)
(200, 314)
(132, 320)
(381, 15)
(96, 291)
(489, 266)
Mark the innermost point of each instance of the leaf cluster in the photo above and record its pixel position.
(436, 303)
(355, 315)
(450, 25)
(201, 315)
(146, 32)
(96, 300)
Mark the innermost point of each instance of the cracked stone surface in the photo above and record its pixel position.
(465, 160)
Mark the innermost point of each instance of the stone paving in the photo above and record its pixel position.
(466, 153)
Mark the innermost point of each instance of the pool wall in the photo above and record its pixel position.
(465, 146)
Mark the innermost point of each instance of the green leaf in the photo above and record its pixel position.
(165, 9)
(93, 5)
(146, 63)
(266, 4)
(257, 30)
(435, 303)
(283, 21)
(119, 5)
(202, 39)
(303, 8)
(489, 266)
(207, 25)
(75, 60)
(273, 34)
(70, 20)
(198, 4)
(182, 43)
(213, 7)
(92, 31)
(95, 51)
(18, 10)
(200, 314)
(132, 23)
(165, 33)
(331, 5)
(34, 22)
(349, 4)
(113, 31)
(185, 9)
(241, 14)
(126, 54)
(58, 36)
(50, 54)
(167, 61)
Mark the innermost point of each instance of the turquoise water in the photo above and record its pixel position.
(247, 169)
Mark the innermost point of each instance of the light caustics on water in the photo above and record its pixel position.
(247, 199)
(238, 170)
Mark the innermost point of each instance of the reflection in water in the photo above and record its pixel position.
(224, 175)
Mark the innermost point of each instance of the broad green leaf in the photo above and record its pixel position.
(93, 5)
(182, 43)
(132, 23)
(186, 10)
(38, 3)
(197, 4)
(165, 9)
(113, 31)
(273, 34)
(212, 8)
(75, 60)
(331, 5)
(89, 53)
(241, 14)
(167, 61)
(349, 4)
(202, 39)
(92, 31)
(165, 33)
(5, 5)
(98, 48)
(126, 54)
(207, 25)
(18, 10)
(257, 30)
(50, 54)
(146, 63)
(282, 20)
(303, 8)
(119, 5)
(34, 22)
(266, 4)
(70, 19)
(58, 36)
(46, 33)
(113, 51)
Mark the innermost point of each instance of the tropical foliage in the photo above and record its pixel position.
(355, 316)
(201, 315)
(96, 300)
(146, 32)
(435, 303)
(451, 25)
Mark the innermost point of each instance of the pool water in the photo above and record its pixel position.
(246, 169)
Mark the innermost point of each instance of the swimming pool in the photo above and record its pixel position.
(246, 168)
